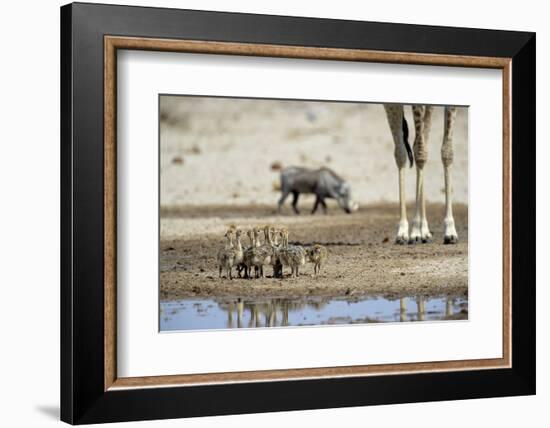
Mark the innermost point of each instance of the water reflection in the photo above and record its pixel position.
(254, 313)
(449, 307)
(421, 309)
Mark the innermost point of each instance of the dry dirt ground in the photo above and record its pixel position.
(363, 259)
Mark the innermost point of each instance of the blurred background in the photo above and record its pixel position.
(229, 151)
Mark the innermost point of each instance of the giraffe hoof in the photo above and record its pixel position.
(414, 241)
(401, 240)
(451, 239)
(420, 240)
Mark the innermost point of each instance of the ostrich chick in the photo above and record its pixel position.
(292, 255)
(276, 258)
(265, 251)
(254, 256)
(318, 256)
(239, 253)
(242, 265)
(227, 255)
(248, 254)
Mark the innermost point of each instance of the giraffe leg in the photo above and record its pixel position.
(394, 113)
(450, 236)
(420, 231)
(402, 236)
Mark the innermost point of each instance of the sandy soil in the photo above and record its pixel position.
(363, 260)
(219, 165)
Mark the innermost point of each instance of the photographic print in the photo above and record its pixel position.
(289, 213)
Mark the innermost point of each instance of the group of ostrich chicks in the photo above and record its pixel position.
(275, 251)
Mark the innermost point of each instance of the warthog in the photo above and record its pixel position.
(323, 182)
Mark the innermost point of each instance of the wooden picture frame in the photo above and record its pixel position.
(91, 391)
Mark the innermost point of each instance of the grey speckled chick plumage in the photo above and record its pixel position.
(293, 256)
(227, 255)
(317, 255)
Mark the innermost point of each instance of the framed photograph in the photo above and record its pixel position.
(267, 213)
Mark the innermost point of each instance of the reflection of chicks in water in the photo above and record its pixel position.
(318, 256)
